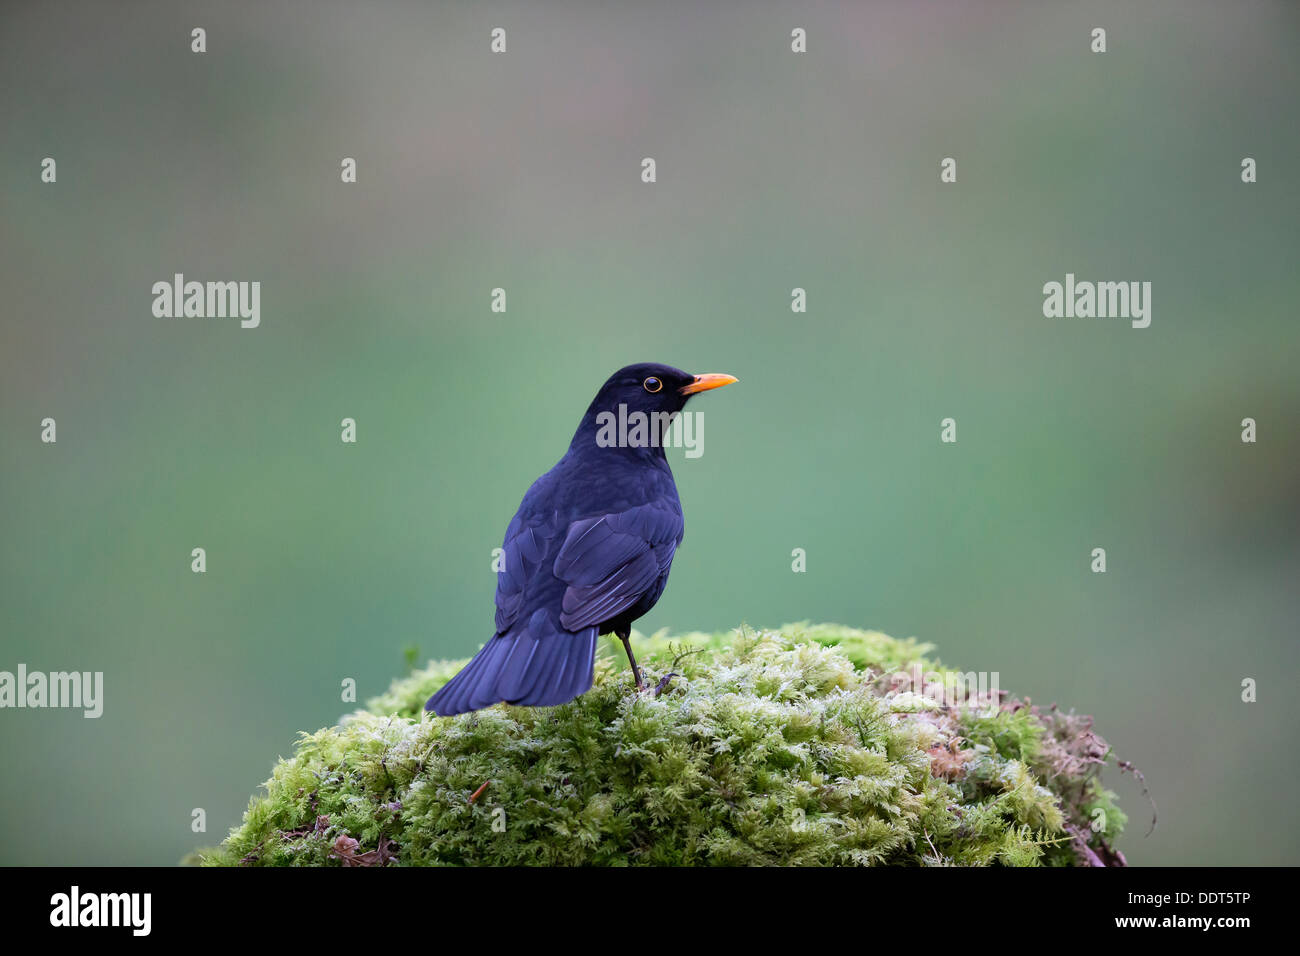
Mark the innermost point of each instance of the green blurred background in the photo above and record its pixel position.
(521, 170)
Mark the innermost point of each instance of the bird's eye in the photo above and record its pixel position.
(652, 384)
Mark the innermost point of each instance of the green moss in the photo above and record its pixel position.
(793, 747)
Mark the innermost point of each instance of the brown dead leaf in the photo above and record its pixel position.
(949, 762)
(345, 849)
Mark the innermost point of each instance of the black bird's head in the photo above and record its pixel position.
(657, 392)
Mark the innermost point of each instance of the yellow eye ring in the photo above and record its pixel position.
(652, 384)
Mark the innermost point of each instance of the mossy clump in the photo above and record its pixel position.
(801, 746)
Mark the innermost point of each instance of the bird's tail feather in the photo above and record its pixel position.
(534, 664)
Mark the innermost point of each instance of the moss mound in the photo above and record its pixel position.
(800, 747)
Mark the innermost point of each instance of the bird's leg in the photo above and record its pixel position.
(625, 636)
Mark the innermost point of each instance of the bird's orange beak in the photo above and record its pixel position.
(702, 383)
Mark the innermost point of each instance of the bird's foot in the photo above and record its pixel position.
(663, 683)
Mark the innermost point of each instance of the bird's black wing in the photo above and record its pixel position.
(525, 545)
(541, 654)
(610, 561)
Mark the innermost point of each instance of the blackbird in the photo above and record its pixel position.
(588, 551)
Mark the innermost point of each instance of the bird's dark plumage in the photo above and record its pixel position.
(587, 553)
